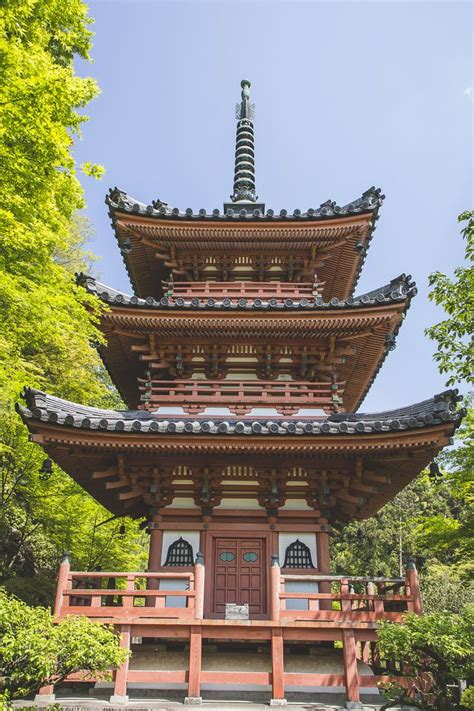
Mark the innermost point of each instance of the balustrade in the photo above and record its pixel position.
(240, 396)
(235, 290)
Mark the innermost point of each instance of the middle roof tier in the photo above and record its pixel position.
(340, 344)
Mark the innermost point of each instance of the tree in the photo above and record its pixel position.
(436, 650)
(48, 323)
(34, 651)
(455, 354)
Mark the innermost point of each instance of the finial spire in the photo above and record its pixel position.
(244, 174)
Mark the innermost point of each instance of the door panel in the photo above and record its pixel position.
(239, 575)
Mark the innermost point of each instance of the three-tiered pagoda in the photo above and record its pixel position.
(243, 357)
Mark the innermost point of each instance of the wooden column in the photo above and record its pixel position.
(324, 568)
(194, 674)
(275, 583)
(351, 675)
(156, 545)
(414, 585)
(120, 688)
(45, 695)
(154, 558)
(64, 569)
(278, 668)
(199, 582)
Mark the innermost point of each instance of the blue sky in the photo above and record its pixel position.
(347, 94)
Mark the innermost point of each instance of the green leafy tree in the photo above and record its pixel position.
(436, 650)
(455, 354)
(35, 652)
(47, 322)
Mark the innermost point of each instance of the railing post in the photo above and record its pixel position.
(275, 579)
(120, 689)
(414, 585)
(199, 579)
(64, 569)
(351, 675)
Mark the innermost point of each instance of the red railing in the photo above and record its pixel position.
(240, 396)
(343, 608)
(97, 594)
(338, 598)
(235, 290)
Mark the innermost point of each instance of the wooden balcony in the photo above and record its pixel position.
(240, 396)
(235, 290)
(343, 608)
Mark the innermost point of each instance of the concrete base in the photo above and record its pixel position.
(354, 705)
(119, 700)
(45, 699)
(192, 701)
(278, 702)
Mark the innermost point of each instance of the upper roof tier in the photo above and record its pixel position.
(157, 241)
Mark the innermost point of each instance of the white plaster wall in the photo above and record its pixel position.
(284, 540)
(238, 504)
(170, 536)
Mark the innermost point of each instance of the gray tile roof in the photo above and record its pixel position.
(47, 408)
(369, 202)
(400, 289)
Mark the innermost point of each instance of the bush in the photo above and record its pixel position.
(35, 652)
(436, 650)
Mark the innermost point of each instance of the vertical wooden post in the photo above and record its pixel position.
(194, 675)
(414, 585)
(324, 568)
(199, 580)
(278, 668)
(154, 560)
(275, 582)
(64, 569)
(351, 675)
(120, 689)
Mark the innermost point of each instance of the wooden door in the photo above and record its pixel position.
(240, 575)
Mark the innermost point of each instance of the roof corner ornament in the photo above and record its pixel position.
(244, 173)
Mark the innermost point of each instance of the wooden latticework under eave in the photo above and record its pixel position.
(243, 357)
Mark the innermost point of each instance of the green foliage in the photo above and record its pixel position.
(42, 516)
(437, 650)
(467, 698)
(455, 353)
(35, 652)
(372, 547)
(46, 330)
(47, 322)
(450, 536)
(444, 590)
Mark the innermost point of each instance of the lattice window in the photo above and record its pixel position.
(180, 554)
(298, 555)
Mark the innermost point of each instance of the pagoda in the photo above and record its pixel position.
(243, 357)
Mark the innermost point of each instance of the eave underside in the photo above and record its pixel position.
(339, 470)
(333, 250)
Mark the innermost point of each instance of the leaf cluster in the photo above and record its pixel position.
(437, 650)
(454, 335)
(34, 651)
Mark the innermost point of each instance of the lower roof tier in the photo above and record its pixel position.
(341, 468)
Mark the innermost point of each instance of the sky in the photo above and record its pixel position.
(347, 95)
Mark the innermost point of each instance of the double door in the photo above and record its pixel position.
(239, 575)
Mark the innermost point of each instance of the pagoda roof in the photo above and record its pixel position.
(437, 410)
(368, 203)
(156, 239)
(399, 289)
(115, 454)
(372, 319)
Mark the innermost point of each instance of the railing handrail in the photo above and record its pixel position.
(121, 574)
(339, 578)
